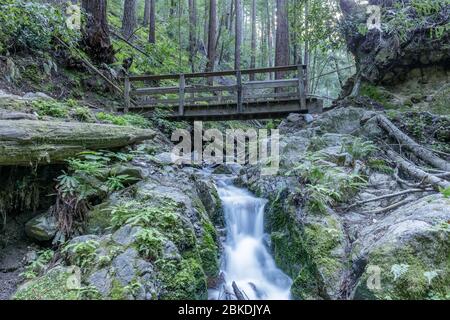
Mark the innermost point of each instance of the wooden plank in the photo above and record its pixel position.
(212, 74)
(267, 96)
(157, 90)
(188, 89)
(156, 102)
(127, 94)
(211, 89)
(301, 87)
(239, 91)
(181, 94)
(271, 84)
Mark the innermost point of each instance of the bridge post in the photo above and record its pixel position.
(181, 95)
(239, 91)
(301, 86)
(127, 93)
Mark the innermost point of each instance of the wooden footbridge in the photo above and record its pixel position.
(222, 95)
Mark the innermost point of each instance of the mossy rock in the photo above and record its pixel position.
(51, 286)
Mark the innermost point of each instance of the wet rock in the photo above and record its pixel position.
(101, 280)
(126, 235)
(134, 173)
(124, 266)
(170, 251)
(42, 227)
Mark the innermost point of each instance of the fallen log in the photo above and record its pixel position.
(29, 142)
(405, 141)
(412, 170)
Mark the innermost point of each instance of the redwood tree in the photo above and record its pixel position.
(282, 37)
(212, 36)
(95, 32)
(152, 23)
(129, 21)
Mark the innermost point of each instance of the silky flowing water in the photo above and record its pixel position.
(246, 259)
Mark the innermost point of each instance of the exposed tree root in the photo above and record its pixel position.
(417, 173)
(411, 145)
(389, 208)
(387, 196)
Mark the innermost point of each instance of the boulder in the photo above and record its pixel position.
(42, 228)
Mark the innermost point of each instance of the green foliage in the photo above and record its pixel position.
(445, 192)
(150, 243)
(380, 165)
(115, 183)
(35, 267)
(325, 184)
(82, 253)
(408, 17)
(88, 293)
(136, 214)
(133, 120)
(32, 26)
(358, 148)
(50, 108)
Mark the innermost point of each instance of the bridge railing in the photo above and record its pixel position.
(150, 91)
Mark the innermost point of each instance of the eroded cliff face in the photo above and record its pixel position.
(412, 35)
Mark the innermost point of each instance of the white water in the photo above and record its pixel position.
(246, 259)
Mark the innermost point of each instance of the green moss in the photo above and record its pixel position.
(133, 120)
(50, 108)
(377, 94)
(51, 286)
(183, 280)
(303, 251)
(407, 275)
(321, 241)
(118, 291)
(209, 251)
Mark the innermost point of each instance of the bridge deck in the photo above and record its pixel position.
(232, 99)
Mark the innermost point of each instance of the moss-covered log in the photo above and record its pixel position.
(26, 142)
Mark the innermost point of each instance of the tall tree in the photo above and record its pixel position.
(306, 56)
(253, 41)
(192, 32)
(95, 32)
(129, 21)
(238, 38)
(269, 34)
(212, 36)
(282, 41)
(152, 22)
(146, 13)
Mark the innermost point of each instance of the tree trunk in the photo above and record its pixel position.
(253, 41)
(282, 41)
(269, 35)
(238, 39)
(192, 32)
(408, 143)
(129, 21)
(212, 38)
(306, 57)
(146, 13)
(25, 142)
(95, 32)
(152, 23)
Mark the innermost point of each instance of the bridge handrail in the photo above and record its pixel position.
(240, 87)
(212, 74)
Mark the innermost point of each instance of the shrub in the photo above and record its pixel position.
(31, 26)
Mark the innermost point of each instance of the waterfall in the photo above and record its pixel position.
(246, 259)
